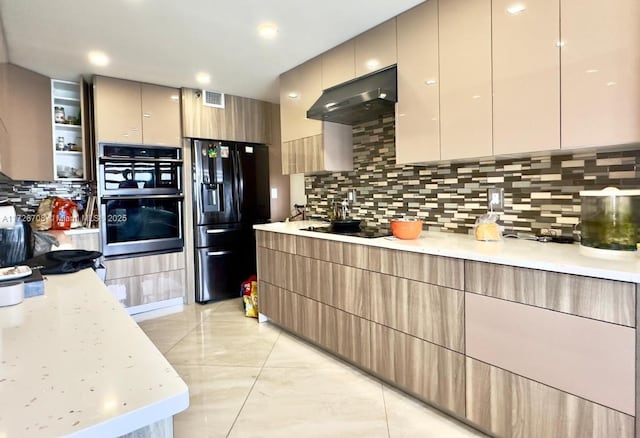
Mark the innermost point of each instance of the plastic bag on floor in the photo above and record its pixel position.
(249, 289)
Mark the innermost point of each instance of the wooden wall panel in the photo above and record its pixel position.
(509, 405)
(242, 119)
(431, 372)
(605, 300)
(429, 312)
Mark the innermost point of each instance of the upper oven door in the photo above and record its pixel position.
(139, 170)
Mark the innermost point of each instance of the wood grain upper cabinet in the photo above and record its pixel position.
(465, 78)
(338, 64)
(299, 89)
(376, 48)
(117, 110)
(160, 115)
(526, 76)
(600, 84)
(417, 115)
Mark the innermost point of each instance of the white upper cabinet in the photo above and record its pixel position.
(600, 72)
(526, 76)
(465, 79)
(376, 48)
(417, 111)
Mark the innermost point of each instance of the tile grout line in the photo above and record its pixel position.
(386, 415)
(235, 420)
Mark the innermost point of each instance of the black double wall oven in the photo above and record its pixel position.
(141, 199)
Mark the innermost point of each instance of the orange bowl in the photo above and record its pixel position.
(406, 228)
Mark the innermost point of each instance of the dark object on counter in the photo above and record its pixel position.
(16, 244)
(345, 225)
(33, 284)
(64, 261)
(610, 219)
(231, 194)
(556, 239)
(366, 232)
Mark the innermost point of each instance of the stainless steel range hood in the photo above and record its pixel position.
(360, 100)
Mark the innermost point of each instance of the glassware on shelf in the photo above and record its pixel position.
(59, 115)
(60, 144)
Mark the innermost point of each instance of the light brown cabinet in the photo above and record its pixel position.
(241, 119)
(310, 146)
(25, 124)
(376, 48)
(526, 77)
(145, 280)
(117, 110)
(300, 87)
(426, 370)
(160, 115)
(418, 108)
(600, 57)
(339, 64)
(123, 109)
(465, 79)
(509, 405)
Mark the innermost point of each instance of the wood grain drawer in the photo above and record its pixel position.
(277, 268)
(442, 271)
(135, 266)
(150, 288)
(432, 373)
(605, 300)
(509, 405)
(276, 241)
(321, 249)
(591, 359)
(432, 313)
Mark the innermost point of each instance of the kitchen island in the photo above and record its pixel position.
(517, 338)
(73, 363)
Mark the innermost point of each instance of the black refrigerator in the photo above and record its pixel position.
(231, 194)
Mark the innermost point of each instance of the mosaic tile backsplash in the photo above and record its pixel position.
(27, 195)
(541, 192)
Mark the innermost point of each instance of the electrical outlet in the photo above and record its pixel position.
(495, 198)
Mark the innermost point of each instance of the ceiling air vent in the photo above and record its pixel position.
(213, 99)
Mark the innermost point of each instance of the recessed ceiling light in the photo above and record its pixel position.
(203, 78)
(476, 96)
(373, 63)
(175, 97)
(293, 95)
(268, 30)
(430, 82)
(96, 57)
(559, 43)
(611, 84)
(592, 70)
(516, 9)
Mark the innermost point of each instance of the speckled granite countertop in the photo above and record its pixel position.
(556, 257)
(73, 363)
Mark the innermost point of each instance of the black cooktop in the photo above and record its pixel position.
(367, 232)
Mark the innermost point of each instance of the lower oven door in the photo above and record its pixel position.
(131, 225)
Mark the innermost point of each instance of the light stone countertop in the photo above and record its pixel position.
(74, 363)
(556, 257)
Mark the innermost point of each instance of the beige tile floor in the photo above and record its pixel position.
(254, 380)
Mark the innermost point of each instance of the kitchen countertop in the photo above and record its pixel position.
(556, 257)
(73, 363)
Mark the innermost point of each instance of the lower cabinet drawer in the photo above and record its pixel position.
(151, 288)
(339, 332)
(509, 405)
(432, 373)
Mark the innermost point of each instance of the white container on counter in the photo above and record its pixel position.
(11, 293)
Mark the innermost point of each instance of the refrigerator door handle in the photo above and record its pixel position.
(220, 230)
(240, 186)
(218, 253)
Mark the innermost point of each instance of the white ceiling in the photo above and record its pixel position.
(168, 41)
